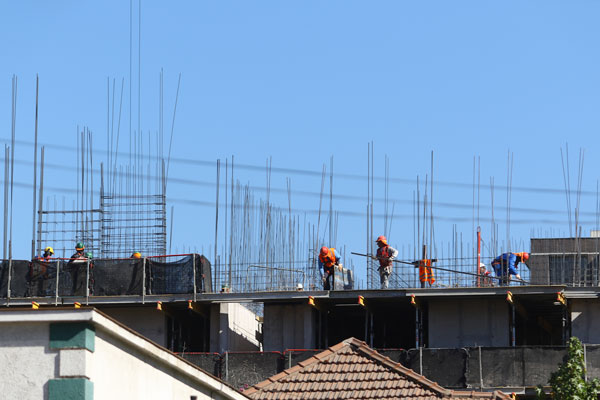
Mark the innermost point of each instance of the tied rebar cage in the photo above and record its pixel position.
(133, 223)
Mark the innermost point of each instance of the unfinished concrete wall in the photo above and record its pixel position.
(468, 322)
(289, 326)
(147, 321)
(585, 319)
(233, 327)
(543, 249)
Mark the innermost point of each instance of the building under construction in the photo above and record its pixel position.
(462, 336)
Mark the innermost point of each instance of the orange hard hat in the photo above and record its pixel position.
(381, 239)
(324, 250)
(525, 256)
(137, 254)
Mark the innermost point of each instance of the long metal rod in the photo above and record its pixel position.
(12, 165)
(6, 174)
(37, 81)
(439, 268)
(217, 221)
(40, 203)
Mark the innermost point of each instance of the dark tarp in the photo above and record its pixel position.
(513, 366)
(106, 277)
(118, 277)
(592, 355)
(3, 279)
(445, 366)
(19, 278)
(210, 362)
(178, 276)
(293, 357)
(243, 370)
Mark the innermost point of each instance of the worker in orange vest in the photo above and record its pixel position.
(385, 256)
(328, 260)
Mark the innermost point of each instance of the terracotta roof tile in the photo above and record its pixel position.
(352, 370)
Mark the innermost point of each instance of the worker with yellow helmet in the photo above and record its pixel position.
(48, 253)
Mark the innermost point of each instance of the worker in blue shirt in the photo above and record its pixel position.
(506, 265)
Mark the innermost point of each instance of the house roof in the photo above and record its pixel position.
(352, 370)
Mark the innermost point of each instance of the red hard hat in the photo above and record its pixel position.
(525, 256)
(324, 250)
(381, 239)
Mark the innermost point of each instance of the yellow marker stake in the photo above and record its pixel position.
(361, 300)
(159, 306)
(77, 304)
(35, 305)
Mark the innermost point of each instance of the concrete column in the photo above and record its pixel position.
(468, 322)
(289, 327)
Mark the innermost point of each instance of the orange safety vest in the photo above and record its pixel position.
(383, 256)
(328, 260)
(425, 272)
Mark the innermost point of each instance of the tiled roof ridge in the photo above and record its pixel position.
(296, 368)
(364, 348)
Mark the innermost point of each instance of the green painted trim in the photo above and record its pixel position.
(70, 389)
(72, 335)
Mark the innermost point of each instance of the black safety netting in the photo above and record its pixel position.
(592, 357)
(210, 362)
(444, 366)
(118, 277)
(3, 278)
(243, 370)
(541, 362)
(293, 357)
(104, 277)
(396, 355)
(513, 367)
(178, 276)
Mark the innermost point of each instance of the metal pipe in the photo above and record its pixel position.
(37, 81)
(40, 203)
(143, 280)
(194, 273)
(57, 282)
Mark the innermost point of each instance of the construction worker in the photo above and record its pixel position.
(48, 253)
(79, 256)
(385, 255)
(38, 274)
(485, 276)
(328, 260)
(137, 255)
(506, 265)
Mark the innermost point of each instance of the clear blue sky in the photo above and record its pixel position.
(300, 81)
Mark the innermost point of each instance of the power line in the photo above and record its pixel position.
(314, 173)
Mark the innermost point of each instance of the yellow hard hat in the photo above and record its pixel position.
(49, 250)
(137, 254)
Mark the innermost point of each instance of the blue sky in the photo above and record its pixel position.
(301, 81)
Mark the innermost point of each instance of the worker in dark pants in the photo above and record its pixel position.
(328, 260)
(506, 265)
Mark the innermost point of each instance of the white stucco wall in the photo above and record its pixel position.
(26, 361)
(119, 371)
(123, 365)
(468, 322)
